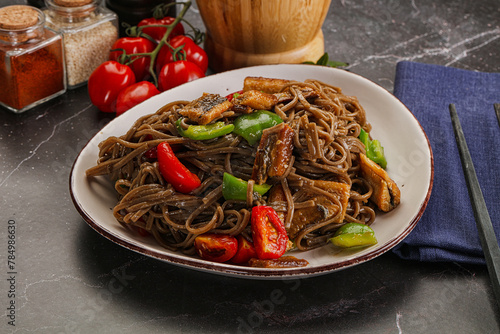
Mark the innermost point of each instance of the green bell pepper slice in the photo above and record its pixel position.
(202, 132)
(374, 150)
(236, 188)
(354, 235)
(250, 126)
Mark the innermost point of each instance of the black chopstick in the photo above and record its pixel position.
(487, 236)
(497, 111)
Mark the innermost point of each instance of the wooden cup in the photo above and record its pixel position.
(244, 33)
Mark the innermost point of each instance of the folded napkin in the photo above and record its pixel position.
(447, 230)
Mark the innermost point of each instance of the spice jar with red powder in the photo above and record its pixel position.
(31, 59)
(89, 31)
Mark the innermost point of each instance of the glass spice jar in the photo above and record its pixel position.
(31, 59)
(89, 31)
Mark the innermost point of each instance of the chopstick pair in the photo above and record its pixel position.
(489, 242)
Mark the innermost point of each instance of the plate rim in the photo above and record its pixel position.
(251, 272)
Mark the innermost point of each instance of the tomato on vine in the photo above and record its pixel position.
(106, 82)
(134, 94)
(183, 45)
(134, 45)
(134, 59)
(157, 33)
(177, 73)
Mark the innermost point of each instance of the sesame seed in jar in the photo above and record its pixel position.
(89, 32)
(86, 50)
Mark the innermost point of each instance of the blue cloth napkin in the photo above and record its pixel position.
(447, 230)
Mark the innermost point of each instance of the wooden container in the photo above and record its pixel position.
(256, 32)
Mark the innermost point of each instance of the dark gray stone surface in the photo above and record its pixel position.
(71, 280)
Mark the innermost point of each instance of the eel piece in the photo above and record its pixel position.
(386, 194)
(274, 153)
(206, 108)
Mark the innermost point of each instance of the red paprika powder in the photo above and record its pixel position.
(31, 59)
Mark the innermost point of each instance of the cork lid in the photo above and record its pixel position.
(72, 3)
(18, 17)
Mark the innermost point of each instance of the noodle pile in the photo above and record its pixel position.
(326, 148)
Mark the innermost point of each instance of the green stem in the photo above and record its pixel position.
(137, 31)
(198, 36)
(163, 41)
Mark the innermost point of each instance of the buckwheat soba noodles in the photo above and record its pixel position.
(321, 186)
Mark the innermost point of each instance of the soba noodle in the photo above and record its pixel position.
(326, 147)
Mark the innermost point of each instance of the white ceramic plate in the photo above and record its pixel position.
(409, 155)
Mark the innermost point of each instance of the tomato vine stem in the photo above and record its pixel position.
(137, 31)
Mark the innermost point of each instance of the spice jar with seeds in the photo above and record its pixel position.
(31, 59)
(89, 31)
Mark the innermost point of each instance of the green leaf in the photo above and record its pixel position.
(325, 61)
(334, 63)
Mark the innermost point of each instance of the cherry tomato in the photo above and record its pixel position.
(106, 82)
(245, 252)
(216, 247)
(194, 53)
(131, 45)
(134, 94)
(268, 232)
(157, 33)
(178, 73)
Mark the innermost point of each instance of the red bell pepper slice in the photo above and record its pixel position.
(268, 232)
(245, 252)
(216, 247)
(174, 172)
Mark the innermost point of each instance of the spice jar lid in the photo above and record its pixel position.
(18, 17)
(72, 3)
